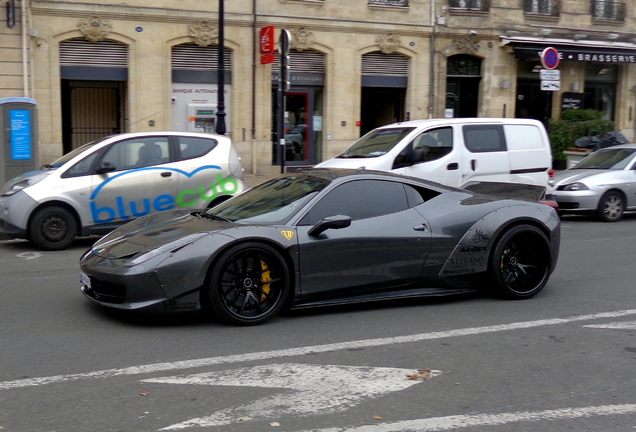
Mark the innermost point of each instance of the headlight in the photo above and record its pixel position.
(12, 188)
(170, 247)
(575, 187)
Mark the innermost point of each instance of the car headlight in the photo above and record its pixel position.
(170, 247)
(578, 186)
(12, 188)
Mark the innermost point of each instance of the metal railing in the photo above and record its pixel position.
(470, 5)
(400, 3)
(542, 7)
(608, 10)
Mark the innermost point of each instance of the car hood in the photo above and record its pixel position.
(168, 229)
(580, 175)
(352, 163)
(32, 176)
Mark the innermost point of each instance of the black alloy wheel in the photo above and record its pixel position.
(611, 207)
(248, 284)
(520, 263)
(53, 228)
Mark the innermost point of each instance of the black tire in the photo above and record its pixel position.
(247, 285)
(611, 207)
(53, 228)
(520, 263)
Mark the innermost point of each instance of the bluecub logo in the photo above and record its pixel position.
(125, 209)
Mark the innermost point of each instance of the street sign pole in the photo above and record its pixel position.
(283, 86)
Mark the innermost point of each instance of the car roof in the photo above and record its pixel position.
(343, 174)
(166, 133)
(463, 121)
(621, 146)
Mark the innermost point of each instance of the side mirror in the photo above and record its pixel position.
(330, 222)
(417, 155)
(105, 167)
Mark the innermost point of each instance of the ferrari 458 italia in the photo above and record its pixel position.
(322, 237)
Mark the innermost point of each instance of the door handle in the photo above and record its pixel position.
(420, 227)
(452, 166)
(473, 164)
(166, 174)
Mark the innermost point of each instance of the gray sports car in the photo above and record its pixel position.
(322, 237)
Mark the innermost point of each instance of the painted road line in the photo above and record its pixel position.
(291, 352)
(318, 389)
(627, 325)
(464, 421)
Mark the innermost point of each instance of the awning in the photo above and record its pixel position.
(583, 51)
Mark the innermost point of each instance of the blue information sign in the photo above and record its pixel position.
(20, 134)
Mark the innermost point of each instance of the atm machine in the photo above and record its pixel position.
(201, 117)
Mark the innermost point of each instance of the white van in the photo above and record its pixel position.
(455, 151)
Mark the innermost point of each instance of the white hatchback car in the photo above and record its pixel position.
(108, 182)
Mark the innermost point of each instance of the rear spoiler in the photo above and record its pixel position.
(508, 190)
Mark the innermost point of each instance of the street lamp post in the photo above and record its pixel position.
(220, 110)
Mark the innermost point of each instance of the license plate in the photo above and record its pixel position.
(86, 281)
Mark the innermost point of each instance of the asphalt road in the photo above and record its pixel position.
(564, 360)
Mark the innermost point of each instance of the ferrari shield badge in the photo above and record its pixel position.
(288, 234)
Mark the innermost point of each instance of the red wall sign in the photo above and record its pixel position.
(268, 41)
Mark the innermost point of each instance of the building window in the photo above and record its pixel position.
(399, 3)
(608, 10)
(471, 5)
(541, 7)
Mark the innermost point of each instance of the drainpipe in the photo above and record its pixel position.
(254, 45)
(431, 91)
(25, 60)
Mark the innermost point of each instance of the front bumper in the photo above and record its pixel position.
(15, 211)
(576, 201)
(111, 283)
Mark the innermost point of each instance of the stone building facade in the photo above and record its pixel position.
(97, 68)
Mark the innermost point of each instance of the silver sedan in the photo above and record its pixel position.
(604, 183)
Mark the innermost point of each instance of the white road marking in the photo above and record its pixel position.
(290, 352)
(29, 255)
(627, 325)
(318, 389)
(463, 421)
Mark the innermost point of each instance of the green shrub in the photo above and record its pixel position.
(574, 125)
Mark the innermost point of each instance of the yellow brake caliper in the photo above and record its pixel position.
(266, 276)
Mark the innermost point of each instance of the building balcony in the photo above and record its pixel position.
(469, 5)
(542, 7)
(605, 10)
(398, 3)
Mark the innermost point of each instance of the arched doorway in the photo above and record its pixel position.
(463, 74)
(195, 87)
(93, 83)
(384, 84)
(303, 109)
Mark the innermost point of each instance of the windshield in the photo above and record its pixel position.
(608, 159)
(273, 202)
(376, 143)
(68, 156)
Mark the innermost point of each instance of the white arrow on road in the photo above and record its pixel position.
(617, 325)
(317, 389)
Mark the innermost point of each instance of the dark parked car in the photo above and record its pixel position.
(322, 237)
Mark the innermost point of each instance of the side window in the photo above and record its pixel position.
(484, 138)
(195, 147)
(138, 153)
(360, 199)
(82, 167)
(427, 146)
